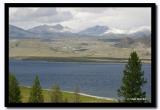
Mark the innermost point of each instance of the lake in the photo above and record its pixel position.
(99, 79)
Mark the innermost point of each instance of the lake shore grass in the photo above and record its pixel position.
(67, 95)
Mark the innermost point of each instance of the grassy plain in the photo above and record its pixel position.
(75, 50)
(25, 91)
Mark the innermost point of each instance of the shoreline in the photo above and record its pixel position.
(78, 59)
(98, 97)
(81, 93)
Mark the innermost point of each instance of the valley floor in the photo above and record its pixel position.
(75, 50)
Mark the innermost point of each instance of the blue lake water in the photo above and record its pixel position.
(100, 79)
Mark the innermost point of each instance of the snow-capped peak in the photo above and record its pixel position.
(129, 31)
(50, 28)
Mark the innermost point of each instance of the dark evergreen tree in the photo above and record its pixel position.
(36, 95)
(14, 91)
(76, 95)
(133, 81)
(56, 94)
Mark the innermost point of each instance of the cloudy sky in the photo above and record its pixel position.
(81, 18)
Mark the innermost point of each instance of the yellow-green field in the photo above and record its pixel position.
(25, 91)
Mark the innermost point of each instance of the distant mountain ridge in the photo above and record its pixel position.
(49, 29)
(50, 32)
(95, 30)
(16, 32)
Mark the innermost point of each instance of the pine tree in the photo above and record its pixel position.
(14, 91)
(36, 92)
(133, 81)
(56, 94)
(76, 95)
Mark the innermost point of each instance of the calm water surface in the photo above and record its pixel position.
(100, 79)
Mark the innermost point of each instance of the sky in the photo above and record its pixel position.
(81, 18)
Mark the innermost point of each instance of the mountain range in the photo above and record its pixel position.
(121, 38)
(16, 32)
(96, 31)
(49, 29)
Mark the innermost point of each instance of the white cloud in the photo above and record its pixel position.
(80, 18)
(31, 16)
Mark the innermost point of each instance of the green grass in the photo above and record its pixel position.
(25, 91)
